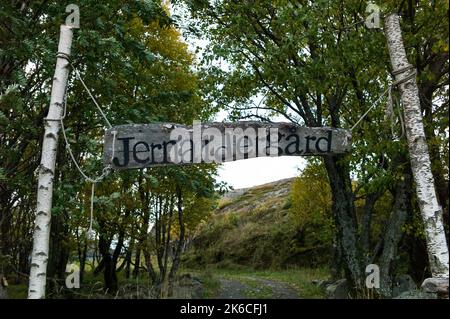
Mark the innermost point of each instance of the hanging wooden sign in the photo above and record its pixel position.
(145, 145)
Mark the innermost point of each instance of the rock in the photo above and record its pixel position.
(432, 288)
(316, 282)
(322, 283)
(325, 283)
(404, 283)
(438, 286)
(416, 294)
(338, 290)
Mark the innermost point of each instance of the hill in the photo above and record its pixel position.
(252, 227)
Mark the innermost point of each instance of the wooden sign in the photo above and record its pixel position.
(144, 145)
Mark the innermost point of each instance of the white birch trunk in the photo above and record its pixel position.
(420, 161)
(39, 258)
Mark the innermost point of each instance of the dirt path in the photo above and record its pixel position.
(252, 288)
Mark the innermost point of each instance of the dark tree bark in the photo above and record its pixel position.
(110, 261)
(59, 251)
(109, 274)
(82, 254)
(149, 265)
(336, 258)
(137, 260)
(345, 218)
(5, 222)
(128, 259)
(142, 232)
(393, 232)
(366, 222)
(419, 268)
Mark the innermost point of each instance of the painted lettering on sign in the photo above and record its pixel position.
(144, 145)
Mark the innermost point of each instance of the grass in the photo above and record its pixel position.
(224, 202)
(17, 291)
(91, 285)
(251, 229)
(299, 278)
(210, 284)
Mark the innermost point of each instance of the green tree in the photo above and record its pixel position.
(317, 65)
(140, 71)
(311, 206)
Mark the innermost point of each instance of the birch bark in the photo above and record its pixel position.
(39, 258)
(420, 161)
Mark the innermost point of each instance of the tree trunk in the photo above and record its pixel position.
(427, 87)
(59, 251)
(100, 266)
(336, 258)
(418, 261)
(167, 248)
(142, 232)
(420, 161)
(345, 218)
(82, 253)
(5, 231)
(5, 223)
(394, 233)
(150, 269)
(39, 257)
(109, 274)
(366, 222)
(128, 261)
(137, 261)
(177, 254)
(83, 261)
(129, 254)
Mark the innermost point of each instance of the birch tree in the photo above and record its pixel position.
(420, 161)
(38, 271)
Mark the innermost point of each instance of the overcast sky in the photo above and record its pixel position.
(257, 171)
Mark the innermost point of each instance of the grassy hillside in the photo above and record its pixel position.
(253, 228)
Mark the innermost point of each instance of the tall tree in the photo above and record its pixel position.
(137, 67)
(317, 65)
